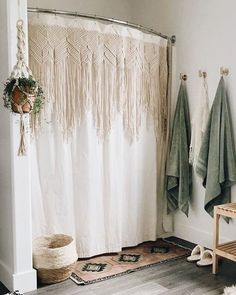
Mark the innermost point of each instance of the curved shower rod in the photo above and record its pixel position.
(102, 18)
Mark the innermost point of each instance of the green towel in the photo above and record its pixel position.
(216, 162)
(179, 174)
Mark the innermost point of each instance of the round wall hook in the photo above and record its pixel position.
(202, 74)
(183, 77)
(224, 71)
(173, 39)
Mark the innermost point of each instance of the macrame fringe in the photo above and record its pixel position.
(104, 73)
(22, 145)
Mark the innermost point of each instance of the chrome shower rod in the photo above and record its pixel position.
(101, 18)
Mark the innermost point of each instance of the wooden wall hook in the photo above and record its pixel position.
(202, 74)
(224, 71)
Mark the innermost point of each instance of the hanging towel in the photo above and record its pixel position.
(179, 176)
(216, 162)
(199, 124)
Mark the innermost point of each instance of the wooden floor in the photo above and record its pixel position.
(171, 278)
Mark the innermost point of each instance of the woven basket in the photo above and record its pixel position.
(54, 257)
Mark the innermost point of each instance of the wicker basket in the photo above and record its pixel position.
(54, 257)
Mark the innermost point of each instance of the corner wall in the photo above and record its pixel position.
(205, 40)
(6, 227)
(16, 270)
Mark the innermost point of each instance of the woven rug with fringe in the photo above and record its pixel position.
(102, 267)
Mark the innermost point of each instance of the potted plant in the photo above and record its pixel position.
(23, 95)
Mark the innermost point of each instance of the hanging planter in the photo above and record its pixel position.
(22, 93)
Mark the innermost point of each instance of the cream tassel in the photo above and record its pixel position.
(22, 146)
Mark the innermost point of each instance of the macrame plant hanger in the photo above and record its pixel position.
(22, 100)
(21, 70)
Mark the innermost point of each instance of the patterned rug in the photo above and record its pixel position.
(107, 266)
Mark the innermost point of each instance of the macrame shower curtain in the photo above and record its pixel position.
(99, 147)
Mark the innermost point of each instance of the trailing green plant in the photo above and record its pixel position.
(26, 86)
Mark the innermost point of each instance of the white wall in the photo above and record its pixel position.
(111, 8)
(16, 270)
(205, 40)
(6, 231)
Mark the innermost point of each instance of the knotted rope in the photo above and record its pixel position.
(21, 70)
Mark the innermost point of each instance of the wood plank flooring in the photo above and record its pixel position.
(171, 278)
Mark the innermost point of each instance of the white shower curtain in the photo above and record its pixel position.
(95, 170)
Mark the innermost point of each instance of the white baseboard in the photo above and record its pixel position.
(24, 281)
(195, 235)
(5, 275)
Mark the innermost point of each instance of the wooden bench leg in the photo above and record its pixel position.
(216, 241)
(215, 264)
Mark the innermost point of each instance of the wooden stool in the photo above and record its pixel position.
(227, 250)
